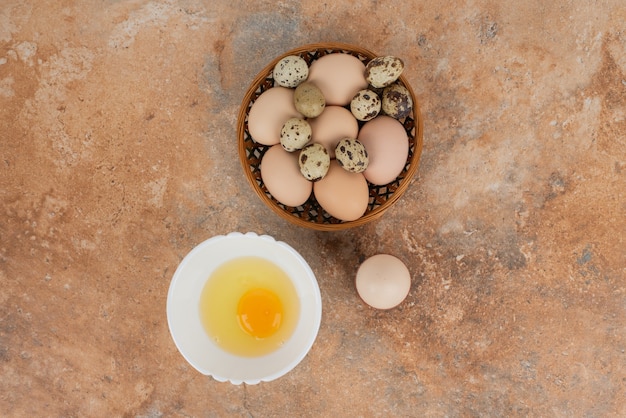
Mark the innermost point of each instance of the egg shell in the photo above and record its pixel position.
(314, 162)
(396, 101)
(383, 281)
(339, 76)
(309, 100)
(334, 124)
(290, 71)
(269, 113)
(387, 146)
(342, 194)
(365, 105)
(382, 71)
(295, 134)
(280, 173)
(351, 155)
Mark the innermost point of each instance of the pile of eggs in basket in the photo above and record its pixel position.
(332, 128)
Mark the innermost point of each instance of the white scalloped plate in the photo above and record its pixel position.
(183, 315)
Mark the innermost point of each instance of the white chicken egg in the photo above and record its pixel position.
(383, 281)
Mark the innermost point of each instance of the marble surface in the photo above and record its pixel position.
(118, 155)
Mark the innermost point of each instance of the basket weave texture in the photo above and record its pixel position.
(310, 214)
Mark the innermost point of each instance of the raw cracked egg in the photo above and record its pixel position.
(249, 306)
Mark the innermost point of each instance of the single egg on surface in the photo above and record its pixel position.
(339, 76)
(290, 71)
(342, 194)
(281, 174)
(334, 124)
(383, 281)
(387, 145)
(269, 113)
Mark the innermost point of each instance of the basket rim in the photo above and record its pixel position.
(370, 215)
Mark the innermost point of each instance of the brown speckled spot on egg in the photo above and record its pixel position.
(303, 158)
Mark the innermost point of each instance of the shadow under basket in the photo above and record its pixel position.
(310, 214)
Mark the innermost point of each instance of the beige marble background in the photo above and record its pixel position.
(118, 155)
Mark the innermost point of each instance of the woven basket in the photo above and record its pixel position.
(310, 214)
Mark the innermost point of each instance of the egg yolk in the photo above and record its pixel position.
(260, 313)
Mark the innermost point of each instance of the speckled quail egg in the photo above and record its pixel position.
(314, 161)
(365, 105)
(397, 101)
(290, 71)
(309, 100)
(351, 155)
(382, 71)
(295, 134)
